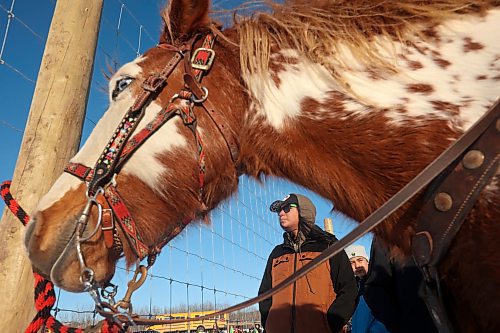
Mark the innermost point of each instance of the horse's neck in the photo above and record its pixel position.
(358, 151)
(356, 163)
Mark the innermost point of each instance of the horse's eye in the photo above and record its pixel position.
(120, 86)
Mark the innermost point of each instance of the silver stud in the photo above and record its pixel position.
(473, 159)
(443, 202)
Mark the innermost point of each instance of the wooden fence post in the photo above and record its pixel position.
(328, 225)
(51, 138)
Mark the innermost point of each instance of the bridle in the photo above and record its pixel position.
(102, 190)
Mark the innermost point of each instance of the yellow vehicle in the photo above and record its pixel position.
(214, 324)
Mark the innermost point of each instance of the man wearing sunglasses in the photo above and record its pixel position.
(324, 299)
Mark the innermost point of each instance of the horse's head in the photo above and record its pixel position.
(160, 182)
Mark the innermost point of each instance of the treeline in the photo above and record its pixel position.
(84, 318)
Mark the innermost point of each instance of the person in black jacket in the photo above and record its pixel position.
(393, 293)
(324, 299)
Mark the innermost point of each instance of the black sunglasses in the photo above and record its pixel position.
(287, 208)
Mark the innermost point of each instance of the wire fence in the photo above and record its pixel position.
(208, 266)
(205, 268)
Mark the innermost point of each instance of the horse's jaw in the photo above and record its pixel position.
(52, 249)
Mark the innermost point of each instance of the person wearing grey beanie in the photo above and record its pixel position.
(323, 300)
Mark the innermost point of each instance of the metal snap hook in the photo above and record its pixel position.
(110, 294)
(86, 278)
(137, 281)
(95, 296)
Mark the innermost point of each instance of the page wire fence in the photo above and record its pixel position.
(208, 266)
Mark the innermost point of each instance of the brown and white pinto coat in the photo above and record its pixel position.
(353, 117)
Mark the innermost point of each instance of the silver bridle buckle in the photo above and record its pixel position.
(210, 59)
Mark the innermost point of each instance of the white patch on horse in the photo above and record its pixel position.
(105, 128)
(63, 184)
(99, 137)
(297, 82)
(455, 84)
(144, 163)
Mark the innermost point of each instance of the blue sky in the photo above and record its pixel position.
(228, 255)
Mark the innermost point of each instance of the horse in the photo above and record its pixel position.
(351, 99)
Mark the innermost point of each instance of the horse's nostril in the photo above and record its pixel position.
(42, 243)
(28, 236)
(34, 254)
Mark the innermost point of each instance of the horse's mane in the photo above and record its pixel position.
(319, 29)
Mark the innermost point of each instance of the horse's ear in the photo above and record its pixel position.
(182, 18)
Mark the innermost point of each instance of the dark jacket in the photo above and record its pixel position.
(321, 301)
(392, 291)
(362, 320)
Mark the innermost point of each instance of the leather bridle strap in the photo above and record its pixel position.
(112, 200)
(451, 197)
(111, 239)
(377, 217)
(167, 113)
(127, 222)
(138, 139)
(194, 71)
(80, 171)
(104, 168)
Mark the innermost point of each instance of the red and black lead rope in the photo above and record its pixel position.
(12, 204)
(45, 296)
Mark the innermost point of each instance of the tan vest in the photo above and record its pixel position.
(313, 296)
